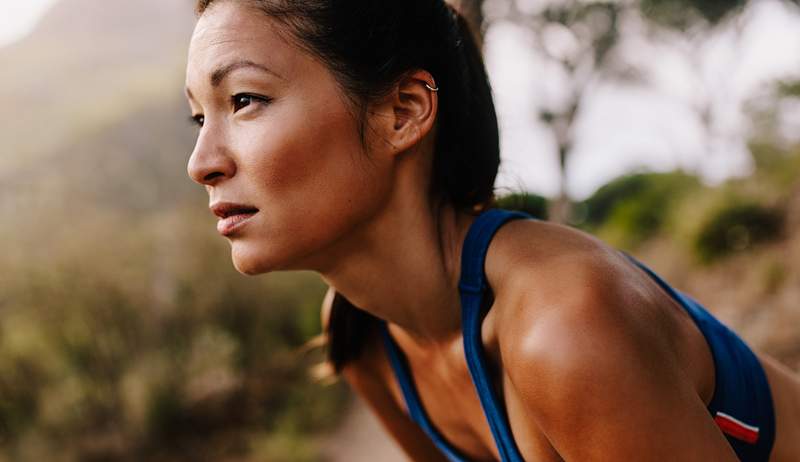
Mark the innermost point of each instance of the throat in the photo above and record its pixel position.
(415, 290)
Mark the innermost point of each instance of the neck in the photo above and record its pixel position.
(403, 267)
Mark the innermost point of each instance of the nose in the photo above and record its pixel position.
(210, 161)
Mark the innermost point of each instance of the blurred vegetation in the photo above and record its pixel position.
(530, 203)
(682, 14)
(709, 222)
(631, 209)
(125, 332)
(592, 27)
(583, 45)
(789, 88)
(736, 226)
(137, 355)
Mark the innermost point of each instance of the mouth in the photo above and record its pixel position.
(232, 217)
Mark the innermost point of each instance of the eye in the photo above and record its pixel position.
(198, 119)
(242, 100)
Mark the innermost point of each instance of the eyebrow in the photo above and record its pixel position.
(219, 75)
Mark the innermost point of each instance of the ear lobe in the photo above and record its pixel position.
(415, 107)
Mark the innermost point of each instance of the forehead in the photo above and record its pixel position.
(232, 31)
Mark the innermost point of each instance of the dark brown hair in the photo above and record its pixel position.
(370, 45)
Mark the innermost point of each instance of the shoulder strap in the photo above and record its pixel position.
(472, 286)
(415, 409)
(742, 404)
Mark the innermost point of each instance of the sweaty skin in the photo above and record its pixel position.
(593, 360)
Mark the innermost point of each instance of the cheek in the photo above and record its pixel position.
(312, 181)
(309, 157)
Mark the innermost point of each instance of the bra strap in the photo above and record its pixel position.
(472, 286)
(413, 403)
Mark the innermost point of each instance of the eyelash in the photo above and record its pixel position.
(235, 100)
(199, 119)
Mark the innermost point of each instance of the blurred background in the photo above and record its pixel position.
(669, 128)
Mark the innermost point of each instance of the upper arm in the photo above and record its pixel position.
(602, 387)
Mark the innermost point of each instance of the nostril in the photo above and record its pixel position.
(212, 176)
(210, 164)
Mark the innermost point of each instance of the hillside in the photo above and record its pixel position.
(94, 116)
(125, 332)
(87, 66)
(755, 293)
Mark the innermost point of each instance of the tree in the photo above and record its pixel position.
(583, 39)
(590, 31)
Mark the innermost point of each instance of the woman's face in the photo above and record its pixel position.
(279, 150)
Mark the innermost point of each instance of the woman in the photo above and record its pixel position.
(360, 141)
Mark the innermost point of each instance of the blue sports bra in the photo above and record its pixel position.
(741, 405)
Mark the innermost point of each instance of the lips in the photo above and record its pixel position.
(232, 216)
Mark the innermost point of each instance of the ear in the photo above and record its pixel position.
(409, 112)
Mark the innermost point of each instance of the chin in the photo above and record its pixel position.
(290, 249)
(248, 259)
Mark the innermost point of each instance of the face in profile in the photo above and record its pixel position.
(278, 149)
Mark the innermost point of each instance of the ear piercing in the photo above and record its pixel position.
(429, 87)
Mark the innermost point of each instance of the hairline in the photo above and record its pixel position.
(357, 106)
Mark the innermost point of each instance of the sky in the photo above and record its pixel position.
(17, 17)
(620, 128)
(646, 127)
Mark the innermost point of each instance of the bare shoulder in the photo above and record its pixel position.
(583, 336)
(557, 286)
(534, 266)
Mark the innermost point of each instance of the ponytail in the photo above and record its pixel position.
(369, 46)
(348, 329)
(467, 149)
(464, 170)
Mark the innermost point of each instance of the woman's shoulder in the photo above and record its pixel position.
(533, 262)
(588, 344)
(563, 297)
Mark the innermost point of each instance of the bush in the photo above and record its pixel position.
(735, 227)
(633, 208)
(118, 349)
(529, 203)
(601, 204)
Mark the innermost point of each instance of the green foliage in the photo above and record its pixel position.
(148, 347)
(601, 204)
(736, 226)
(789, 88)
(682, 14)
(633, 208)
(776, 167)
(125, 333)
(285, 447)
(530, 203)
